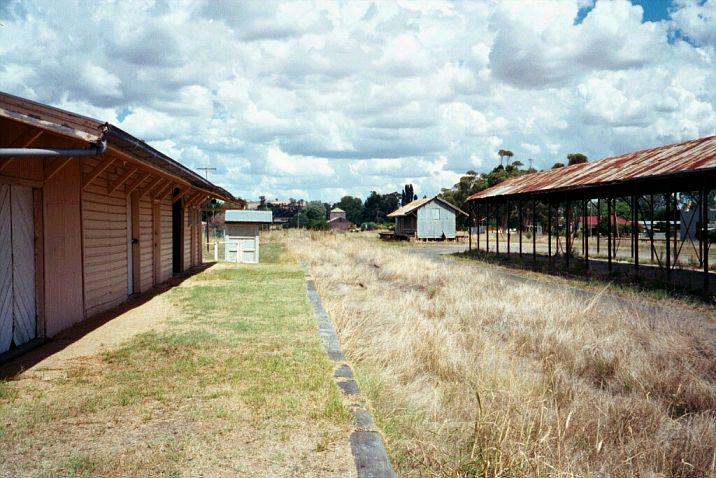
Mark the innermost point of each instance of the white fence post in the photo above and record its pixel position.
(216, 252)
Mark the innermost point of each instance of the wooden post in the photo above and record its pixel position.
(599, 220)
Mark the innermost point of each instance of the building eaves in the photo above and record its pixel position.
(89, 130)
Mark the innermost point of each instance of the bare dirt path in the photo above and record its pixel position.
(156, 389)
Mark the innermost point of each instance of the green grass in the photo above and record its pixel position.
(242, 351)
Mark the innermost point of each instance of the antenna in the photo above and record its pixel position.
(206, 175)
(206, 172)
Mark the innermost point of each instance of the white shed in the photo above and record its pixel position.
(242, 234)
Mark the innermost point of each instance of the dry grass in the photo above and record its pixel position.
(473, 375)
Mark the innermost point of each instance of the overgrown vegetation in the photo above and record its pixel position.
(474, 375)
(237, 384)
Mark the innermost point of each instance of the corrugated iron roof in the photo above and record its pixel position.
(78, 127)
(418, 203)
(410, 207)
(690, 156)
(234, 215)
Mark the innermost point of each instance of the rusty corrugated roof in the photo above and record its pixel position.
(78, 127)
(690, 156)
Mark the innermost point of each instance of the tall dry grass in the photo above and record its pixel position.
(471, 374)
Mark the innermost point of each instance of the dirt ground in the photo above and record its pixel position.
(220, 436)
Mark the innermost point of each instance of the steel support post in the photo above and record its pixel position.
(609, 234)
(521, 224)
(487, 227)
(705, 235)
(668, 236)
(478, 226)
(507, 224)
(599, 219)
(635, 228)
(676, 231)
(549, 229)
(470, 222)
(567, 227)
(497, 229)
(534, 230)
(651, 219)
(585, 212)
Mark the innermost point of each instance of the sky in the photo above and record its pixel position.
(321, 99)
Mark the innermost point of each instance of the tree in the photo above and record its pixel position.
(378, 206)
(262, 203)
(407, 195)
(353, 207)
(313, 216)
(557, 165)
(505, 153)
(576, 158)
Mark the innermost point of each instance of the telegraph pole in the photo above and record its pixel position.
(206, 176)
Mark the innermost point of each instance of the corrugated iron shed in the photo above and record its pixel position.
(413, 205)
(694, 156)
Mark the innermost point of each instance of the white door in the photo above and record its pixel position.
(18, 313)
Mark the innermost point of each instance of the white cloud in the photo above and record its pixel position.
(321, 99)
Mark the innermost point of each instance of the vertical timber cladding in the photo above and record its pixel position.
(104, 222)
(63, 249)
(187, 238)
(164, 269)
(146, 255)
(18, 312)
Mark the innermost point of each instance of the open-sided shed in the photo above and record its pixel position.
(676, 176)
(89, 215)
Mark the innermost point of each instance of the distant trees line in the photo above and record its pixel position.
(369, 214)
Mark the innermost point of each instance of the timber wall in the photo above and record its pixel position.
(104, 231)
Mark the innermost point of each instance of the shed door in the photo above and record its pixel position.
(18, 317)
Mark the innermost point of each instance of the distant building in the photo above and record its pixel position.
(242, 234)
(428, 218)
(690, 222)
(593, 223)
(338, 221)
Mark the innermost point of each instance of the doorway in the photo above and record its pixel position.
(18, 309)
(177, 234)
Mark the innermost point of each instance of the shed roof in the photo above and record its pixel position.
(418, 203)
(697, 155)
(90, 130)
(243, 215)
